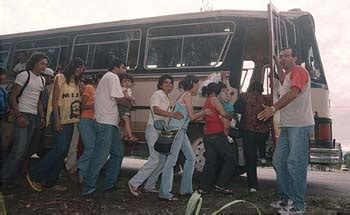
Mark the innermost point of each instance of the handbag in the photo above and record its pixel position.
(165, 141)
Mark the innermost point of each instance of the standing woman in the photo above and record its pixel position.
(183, 105)
(217, 146)
(255, 131)
(159, 105)
(66, 112)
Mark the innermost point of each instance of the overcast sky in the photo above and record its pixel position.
(331, 17)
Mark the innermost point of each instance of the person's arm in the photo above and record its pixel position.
(16, 89)
(282, 102)
(160, 112)
(220, 108)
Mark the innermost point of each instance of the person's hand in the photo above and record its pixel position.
(266, 113)
(178, 116)
(58, 126)
(42, 122)
(22, 122)
(207, 112)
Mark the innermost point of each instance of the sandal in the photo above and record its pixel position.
(132, 138)
(222, 190)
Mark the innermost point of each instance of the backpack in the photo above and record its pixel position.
(4, 102)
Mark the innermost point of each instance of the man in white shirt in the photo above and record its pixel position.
(25, 102)
(108, 140)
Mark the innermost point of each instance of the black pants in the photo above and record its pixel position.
(217, 148)
(251, 141)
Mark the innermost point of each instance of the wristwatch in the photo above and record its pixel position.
(273, 109)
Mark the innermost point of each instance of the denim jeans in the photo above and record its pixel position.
(218, 150)
(22, 141)
(151, 170)
(182, 143)
(48, 169)
(88, 135)
(290, 161)
(108, 142)
(251, 142)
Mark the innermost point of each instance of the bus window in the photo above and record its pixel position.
(247, 72)
(203, 51)
(3, 59)
(81, 51)
(188, 45)
(104, 53)
(4, 54)
(164, 53)
(99, 48)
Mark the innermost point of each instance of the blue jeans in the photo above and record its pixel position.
(151, 170)
(22, 141)
(49, 167)
(182, 143)
(290, 161)
(108, 142)
(88, 135)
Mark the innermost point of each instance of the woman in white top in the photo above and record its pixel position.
(151, 170)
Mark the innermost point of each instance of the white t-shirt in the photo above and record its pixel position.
(160, 99)
(106, 106)
(28, 101)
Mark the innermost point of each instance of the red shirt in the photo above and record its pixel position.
(213, 123)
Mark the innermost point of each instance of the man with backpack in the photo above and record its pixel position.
(25, 103)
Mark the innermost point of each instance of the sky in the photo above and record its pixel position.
(331, 19)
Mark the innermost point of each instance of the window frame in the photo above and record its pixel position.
(222, 55)
(107, 42)
(8, 53)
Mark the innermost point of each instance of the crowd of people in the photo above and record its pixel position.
(40, 99)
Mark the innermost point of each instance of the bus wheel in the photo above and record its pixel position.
(198, 149)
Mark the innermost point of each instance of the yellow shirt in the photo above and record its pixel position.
(68, 101)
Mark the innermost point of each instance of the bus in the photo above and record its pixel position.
(238, 42)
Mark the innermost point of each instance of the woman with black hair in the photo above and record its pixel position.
(66, 112)
(255, 132)
(159, 105)
(183, 105)
(217, 146)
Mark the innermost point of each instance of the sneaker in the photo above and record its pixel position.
(34, 185)
(280, 204)
(58, 188)
(252, 190)
(290, 211)
(133, 190)
(35, 156)
(86, 193)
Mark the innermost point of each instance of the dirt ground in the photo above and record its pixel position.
(22, 200)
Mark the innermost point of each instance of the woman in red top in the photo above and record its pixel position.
(217, 146)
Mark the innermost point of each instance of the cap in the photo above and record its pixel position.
(49, 72)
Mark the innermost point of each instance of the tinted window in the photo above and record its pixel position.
(81, 51)
(106, 52)
(3, 59)
(164, 53)
(202, 51)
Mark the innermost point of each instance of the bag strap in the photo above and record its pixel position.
(24, 86)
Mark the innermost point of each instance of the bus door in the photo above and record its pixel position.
(282, 34)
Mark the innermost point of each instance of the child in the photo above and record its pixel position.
(126, 81)
(225, 98)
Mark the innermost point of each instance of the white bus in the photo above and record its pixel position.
(238, 42)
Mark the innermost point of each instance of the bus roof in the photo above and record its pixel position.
(292, 14)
